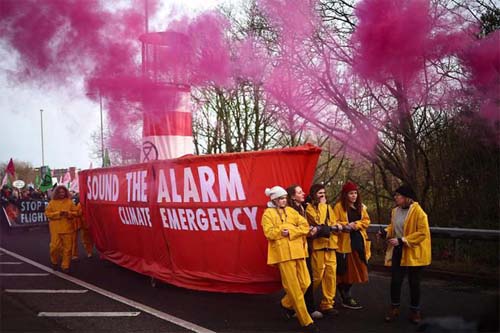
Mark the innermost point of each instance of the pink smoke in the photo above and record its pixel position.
(482, 59)
(250, 60)
(295, 20)
(394, 38)
(393, 41)
(57, 39)
(60, 40)
(194, 51)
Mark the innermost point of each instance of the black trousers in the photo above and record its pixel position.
(398, 273)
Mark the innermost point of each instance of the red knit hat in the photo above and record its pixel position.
(349, 186)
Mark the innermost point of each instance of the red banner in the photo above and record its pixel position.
(194, 221)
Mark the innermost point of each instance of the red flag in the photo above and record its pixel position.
(10, 168)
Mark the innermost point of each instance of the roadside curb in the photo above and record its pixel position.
(476, 279)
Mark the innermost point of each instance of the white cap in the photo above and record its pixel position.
(276, 192)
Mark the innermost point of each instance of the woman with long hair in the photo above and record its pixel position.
(61, 212)
(354, 247)
(297, 200)
(323, 258)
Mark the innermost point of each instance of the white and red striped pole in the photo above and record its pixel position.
(167, 128)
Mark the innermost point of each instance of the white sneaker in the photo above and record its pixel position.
(316, 315)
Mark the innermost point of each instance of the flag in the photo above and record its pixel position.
(74, 185)
(10, 168)
(37, 181)
(5, 179)
(66, 179)
(46, 181)
(105, 161)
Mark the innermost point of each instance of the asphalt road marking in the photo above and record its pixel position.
(139, 306)
(10, 263)
(46, 291)
(24, 274)
(89, 314)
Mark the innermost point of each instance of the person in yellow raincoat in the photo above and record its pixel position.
(82, 228)
(286, 231)
(77, 225)
(408, 251)
(354, 247)
(323, 257)
(60, 212)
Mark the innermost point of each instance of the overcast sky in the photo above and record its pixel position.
(69, 118)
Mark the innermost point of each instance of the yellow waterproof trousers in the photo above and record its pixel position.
(60, 248)
(86, 240)
(74, 248)
(295, 280)
(324, 271)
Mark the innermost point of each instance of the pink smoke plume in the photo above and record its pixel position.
(57, 39)
(295, 20)
(250, 60)
(482, 59)
(193, 51)
(60, 40)
(394, 38)
(318, 81)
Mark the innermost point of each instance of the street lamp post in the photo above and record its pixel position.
(93, 94)
(102, 130)
(41, 132)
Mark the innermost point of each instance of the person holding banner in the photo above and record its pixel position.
(296, 200)
(83, 228)
(354, 247)
(286, 231)
(323, 256)
(61, 212)
(77, 226)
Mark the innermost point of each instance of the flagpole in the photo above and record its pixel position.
(102, 131)
(41, 127)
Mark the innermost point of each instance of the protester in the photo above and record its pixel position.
(408, 251)
(286, 231)
(26, 195)
(6, 195)
(354, 247)
(77, 226)
(323, 261)
(296, 200)
(83, 229)
(61, 211)
(37, 195)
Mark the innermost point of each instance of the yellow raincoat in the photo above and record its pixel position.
(61, 213)
(288, 254)
(361, 225)
(323, 258)
(82, 227)
(416, 238)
